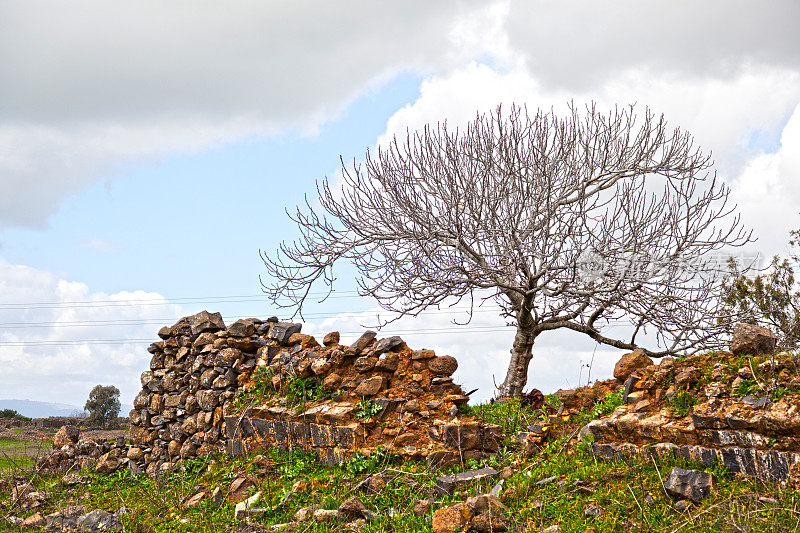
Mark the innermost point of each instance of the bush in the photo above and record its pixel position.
(771, 299)
(11, 414)
(682, 403)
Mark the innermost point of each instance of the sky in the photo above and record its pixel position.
(150, 150)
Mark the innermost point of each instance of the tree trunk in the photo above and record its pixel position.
(521, 353)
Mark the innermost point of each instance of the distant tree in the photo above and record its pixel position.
(770, 299)
(103, 404)
(11, 414)
(572, 222)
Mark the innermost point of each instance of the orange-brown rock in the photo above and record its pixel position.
(370, 386)
(451, 519)
(630, 363)
(443, 365)
(331, 338)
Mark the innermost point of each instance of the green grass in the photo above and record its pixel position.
(682, 402)
(629, 492)
(20, 454)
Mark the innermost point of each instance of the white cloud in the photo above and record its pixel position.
(43, 350)
(768, 191)
(579, 44)
(87, 86)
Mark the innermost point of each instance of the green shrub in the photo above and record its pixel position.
(301, 390)
(682, 403)
(11, 414)
(606, 406)
(361, 463)
(367, 408)
(746, 387)
(260, 388)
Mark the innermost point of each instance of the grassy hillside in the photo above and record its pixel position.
(560, 483)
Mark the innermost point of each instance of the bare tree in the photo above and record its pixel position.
(566, 222)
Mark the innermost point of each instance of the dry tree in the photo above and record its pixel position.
(569, 221)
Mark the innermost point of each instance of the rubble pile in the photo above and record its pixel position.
(198, 396)
(379, 393)
(741, 408)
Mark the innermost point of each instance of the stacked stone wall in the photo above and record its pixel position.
(751, 434)
(191, 401)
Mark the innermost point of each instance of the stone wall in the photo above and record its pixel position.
(756, 434)
(188, 404)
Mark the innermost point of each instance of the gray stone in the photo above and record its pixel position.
(692, 484)
(370, 386)
(749, 339)
(242, 328)
(363, 341)
(628, 384)
(205, 321)
(237, 448)
(384, 345)
(447, 484)
(353, 506)
(281, 331)
(98, 520)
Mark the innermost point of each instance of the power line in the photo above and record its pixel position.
(144, 321)
(162, 301)
(420, 331)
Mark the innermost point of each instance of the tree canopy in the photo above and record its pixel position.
(103, 404)
(571, 221)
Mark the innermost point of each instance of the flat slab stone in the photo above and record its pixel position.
(447, 484)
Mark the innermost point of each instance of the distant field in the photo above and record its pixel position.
(20, 453)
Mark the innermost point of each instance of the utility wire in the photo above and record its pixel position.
(163, 301)
(144, 321)
(421, 331)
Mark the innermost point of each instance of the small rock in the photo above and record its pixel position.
(216, 496)
(682, 505)
(370, 386)
(66, 435)
(372, 485)
(35, 520)
(326, 515)
(449, 483)
(356, 525)
(443, 365)
(240, 510)
(688, 376)
(239, 487)
(421, 507)
(384, 345)
(193, 500)
(331, 338)
(98, 520)
(353, 506)
(451, 519)
(73, 479)
(363, 341)
(552, 529)
(305, 514)
(692, 484)
(593, 510)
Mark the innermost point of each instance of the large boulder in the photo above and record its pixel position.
(630, 363)
(752, 340)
